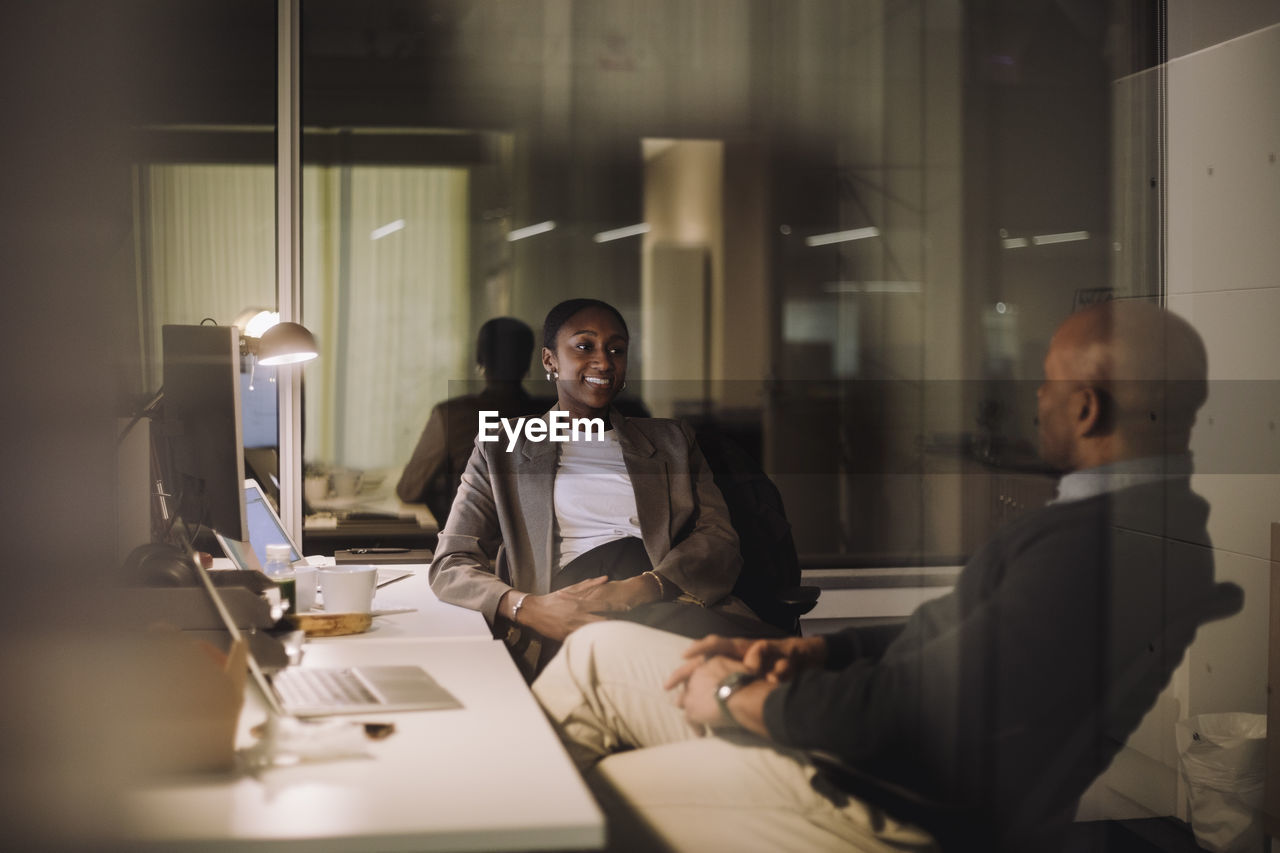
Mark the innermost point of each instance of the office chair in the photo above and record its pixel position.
(769, 582)
(961, 828)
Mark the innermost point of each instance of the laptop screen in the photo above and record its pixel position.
(264, 526)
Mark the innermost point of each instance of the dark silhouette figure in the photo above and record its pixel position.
(504, 348)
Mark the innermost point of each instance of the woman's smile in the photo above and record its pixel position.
(589, 362)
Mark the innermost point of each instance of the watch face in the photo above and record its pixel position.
(727, 687)
(732, 682)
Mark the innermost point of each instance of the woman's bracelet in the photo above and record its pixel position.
(662, 588)
(515, 611)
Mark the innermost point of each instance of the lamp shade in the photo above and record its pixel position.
(287, 343)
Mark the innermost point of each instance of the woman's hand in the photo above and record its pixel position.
(557, 614)
(773, 660)
(625, 594)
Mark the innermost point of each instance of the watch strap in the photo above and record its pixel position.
(729, 685)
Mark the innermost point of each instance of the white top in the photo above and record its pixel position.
(594, 500)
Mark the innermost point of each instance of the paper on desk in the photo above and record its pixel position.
(389, 576)
(287, 741)
(392, 608)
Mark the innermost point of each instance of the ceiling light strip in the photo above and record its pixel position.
(1064, 237)
(842, 236)
(530, 231)
(389, 228)
(621, 233)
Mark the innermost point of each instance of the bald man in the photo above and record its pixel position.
(995, 706)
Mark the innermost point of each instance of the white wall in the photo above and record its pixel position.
(1224, 276)
(1222, 269)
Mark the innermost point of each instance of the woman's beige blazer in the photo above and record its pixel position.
(500, 531)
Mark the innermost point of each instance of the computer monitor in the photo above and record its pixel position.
(202, 427)
(258, 396)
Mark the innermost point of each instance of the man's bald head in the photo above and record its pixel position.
(1137, 373)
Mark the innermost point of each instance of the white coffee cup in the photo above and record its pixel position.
(347, 482)
(315, 488)
(348, 588)
(305, 584)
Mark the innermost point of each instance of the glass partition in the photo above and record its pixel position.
(840, 232)
(202, 123)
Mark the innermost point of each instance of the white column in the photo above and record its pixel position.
(288, 257)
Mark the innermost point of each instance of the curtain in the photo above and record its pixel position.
(212, 244)
(385, 287)
(386, 290)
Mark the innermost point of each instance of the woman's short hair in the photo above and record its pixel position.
(559, 315)
(504, 347)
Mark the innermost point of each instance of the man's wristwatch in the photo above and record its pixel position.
(729, 685)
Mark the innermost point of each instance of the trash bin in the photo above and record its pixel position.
(1223, 759)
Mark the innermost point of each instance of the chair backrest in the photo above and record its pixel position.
(956, 827)
(769, 561)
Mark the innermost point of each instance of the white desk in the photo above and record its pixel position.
(489, 776)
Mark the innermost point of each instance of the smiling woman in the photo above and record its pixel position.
(631, 526)
(584, 347)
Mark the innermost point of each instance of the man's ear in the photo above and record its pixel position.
(1093, 412)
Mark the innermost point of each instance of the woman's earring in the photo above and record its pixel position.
(623, 386)
(552, 376)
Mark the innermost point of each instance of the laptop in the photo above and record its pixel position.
(312, 691)
(317, 692)
(265, 528)
(321, 692)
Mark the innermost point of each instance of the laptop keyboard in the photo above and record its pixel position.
(321, 688)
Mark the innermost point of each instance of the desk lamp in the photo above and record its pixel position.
(264, 337)
(271, 342)
(287, 343)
